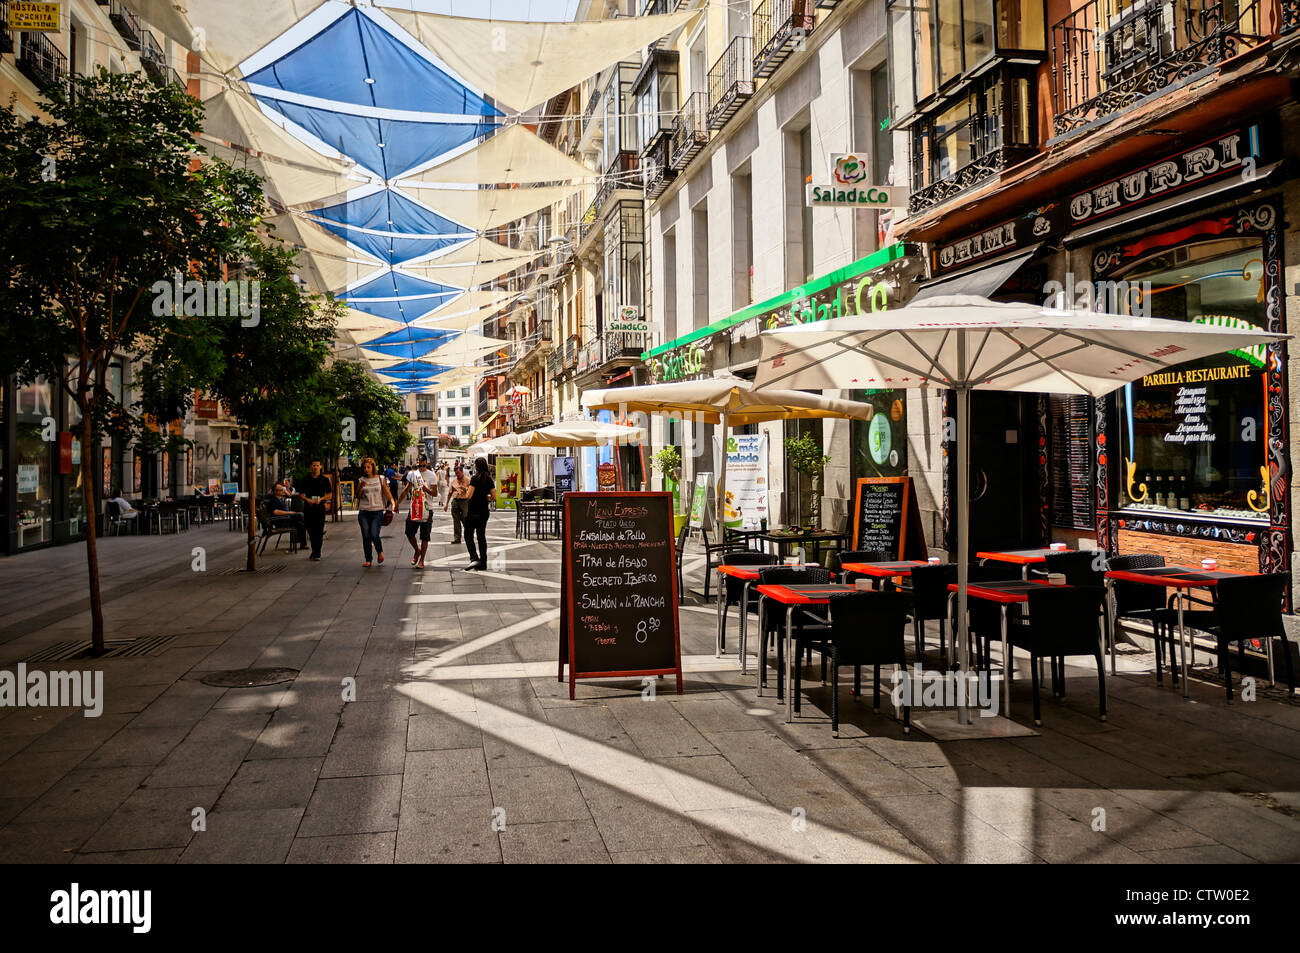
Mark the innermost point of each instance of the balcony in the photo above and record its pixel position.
(621, 174)
(657, 172)
(535, 412)
(152, 57)
(731, 81)
(609, 352)
(967, 177)
(691, 133)
(41, 62)
(126, 23)
(1108, 55)
(780, 27)
(424, 415)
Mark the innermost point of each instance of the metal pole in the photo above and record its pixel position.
(963, 529)
(721, 511)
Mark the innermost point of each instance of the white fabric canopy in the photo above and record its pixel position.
(476, 251)
(715, 398)
(523, 64)
(338, 263)
(474, 305)
(226, 32)
(464, 349)
(471, 275)
(513, 156)
(297, 173)
(483, 209)
(579, 433)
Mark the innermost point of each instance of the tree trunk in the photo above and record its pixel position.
(92, 549)
(250, 467)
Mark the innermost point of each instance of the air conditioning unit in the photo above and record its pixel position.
(1137, 37)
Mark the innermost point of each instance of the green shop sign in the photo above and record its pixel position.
(680, 363)
(850, 290)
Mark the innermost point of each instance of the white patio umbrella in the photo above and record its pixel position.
(967, 343)
(578, 433)
(727, 400)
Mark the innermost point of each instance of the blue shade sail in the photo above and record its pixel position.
(391, 212)
(429, 373)
(395, 284)
(434, 336)
(417, 368)
(408, 351)
(387, 147)
(355, 60)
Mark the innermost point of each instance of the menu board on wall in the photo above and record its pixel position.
(618, 587)
(886, 518)
(1071, 469)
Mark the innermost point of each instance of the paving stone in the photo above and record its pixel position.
(166, 855)
(455, 830)
(554, 842)
(375, 848)
(353, 806)
(153, 818)
(271, 782)
(245, 837)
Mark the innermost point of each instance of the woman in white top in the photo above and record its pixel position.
(444, 484)
(372, 491)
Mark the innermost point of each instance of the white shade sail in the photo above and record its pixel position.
(513, 156)
(483, 209)
(579, 433)
(474, 305)
(226, 33)
(475, 251)
(464, 349)
(523, 64)
(471, 275)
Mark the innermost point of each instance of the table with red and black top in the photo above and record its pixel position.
(1180, 578)
(793, 596)
(1003, 594)
(748, 575)
(1024, 558)
(883, 570)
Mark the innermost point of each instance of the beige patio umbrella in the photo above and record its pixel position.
(726, 400)
(578, 433)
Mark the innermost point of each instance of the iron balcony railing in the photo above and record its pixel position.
(780, 28)
(535, 412)
(126, 22)
(654, 165)
(41, 62)
(731, 81)
(691, 132)
(1110, 54)
(152, 57)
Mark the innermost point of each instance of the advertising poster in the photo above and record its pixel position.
(565, 472)
(746, 502)
(606, 477)
(700, 499)
(508, 474)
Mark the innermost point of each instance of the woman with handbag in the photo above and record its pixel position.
(420, 484)
(372, 512)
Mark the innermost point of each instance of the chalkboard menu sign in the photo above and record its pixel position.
(618, 587)
(886, 518)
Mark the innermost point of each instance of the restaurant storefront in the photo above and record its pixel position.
(1189, 463)
(732, 345)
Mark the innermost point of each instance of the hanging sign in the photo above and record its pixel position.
(606, 477)
(700, 500)
(858, 196)
(34, 17)
(618, 588)
(564, 469)
(629, 321)
(509, 471)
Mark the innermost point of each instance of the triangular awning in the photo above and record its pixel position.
(390, 226)
(515, 155)
(385, 145)
(472, 275)
(398, 297)
(383, 72)
(484, 209)
(523, 64)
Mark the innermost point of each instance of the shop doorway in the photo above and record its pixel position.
(1004, 496)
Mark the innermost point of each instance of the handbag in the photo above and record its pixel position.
(388, 517)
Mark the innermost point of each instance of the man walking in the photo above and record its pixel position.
(458, 500)
(313, 490)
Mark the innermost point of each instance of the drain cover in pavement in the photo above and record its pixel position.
(249, 677)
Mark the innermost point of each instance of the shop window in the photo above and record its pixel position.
(879, 446)
(1195, 436)
(33, 459)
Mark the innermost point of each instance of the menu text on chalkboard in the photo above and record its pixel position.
(886, 518)
(619, 587)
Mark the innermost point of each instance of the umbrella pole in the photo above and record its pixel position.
(722, 482)
(963, 539)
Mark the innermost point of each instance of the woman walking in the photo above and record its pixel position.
(372, 491)
(481, 490)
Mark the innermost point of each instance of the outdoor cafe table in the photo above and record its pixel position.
(817, 538)
(1024, 558)
(1003, 594)
(883, 570)
(1170, 577)
(792, 596)
(748, 575)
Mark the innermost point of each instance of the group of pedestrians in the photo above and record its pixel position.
(466, 497)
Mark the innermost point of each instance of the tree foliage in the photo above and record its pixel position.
(351, 413)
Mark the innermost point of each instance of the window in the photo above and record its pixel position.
(464, 431)
(994, 112)
(806, 230)
(464, 411)
(1198, 444)
(464, 392)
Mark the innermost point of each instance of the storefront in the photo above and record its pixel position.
(732, 346)
(1188, 463)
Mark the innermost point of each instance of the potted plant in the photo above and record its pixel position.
(805, 455)
(668, 462)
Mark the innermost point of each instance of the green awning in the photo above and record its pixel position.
(847, 273)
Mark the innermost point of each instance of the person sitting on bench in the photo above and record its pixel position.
(276, 503)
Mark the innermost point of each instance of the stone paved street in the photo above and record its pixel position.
(459, 722)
